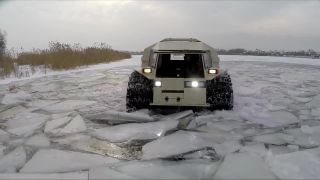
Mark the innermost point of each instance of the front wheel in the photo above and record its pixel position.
(139, 92)
(220, 92)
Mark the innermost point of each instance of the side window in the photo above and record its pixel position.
(153, 59)
(207, 60)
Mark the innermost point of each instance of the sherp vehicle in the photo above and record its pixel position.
(182, 73)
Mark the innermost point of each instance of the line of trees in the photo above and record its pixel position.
(239, 51)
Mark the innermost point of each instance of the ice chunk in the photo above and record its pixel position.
(52, 126)
(81, 175)
(26, 123)
(98, 173)
(24, 119)
(63, 161)
(41, 103)
(105, 148)
(45, 87)
(227, 147)
(13, 161)
(188, 169)
(173, 144)
(297, 165)
(71, 139)
(4, 136)
(135, 131)
(270, 119)
(314, 102)
(275, 138)
(12, 111)
(205, 153)
(39, 140)
(14, 98)
(76, 125)
(226, 125)
(244, 166)
(258, 149)
(115, 117)
(315, 112)
(180, 115)
(67, 106)
(274, 150)
(306, 137)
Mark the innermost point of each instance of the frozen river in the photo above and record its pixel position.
(65, 125)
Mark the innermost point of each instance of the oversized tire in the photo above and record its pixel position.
(139, 92)
(220, 92)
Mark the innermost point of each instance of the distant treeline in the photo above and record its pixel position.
(239, 51)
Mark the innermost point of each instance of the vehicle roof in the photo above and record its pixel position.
(179, 44)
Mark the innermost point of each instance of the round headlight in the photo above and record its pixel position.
(194, 84)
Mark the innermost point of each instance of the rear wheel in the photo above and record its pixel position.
(139, 92)
(220, 92)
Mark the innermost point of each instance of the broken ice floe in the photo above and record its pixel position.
(98, 173)
(270, 119)
(11, 111)
(296, 165)
(274, 138)
(258, 149)
(244, 166)
(76, 125)
(66, 106)
(14, 98)
(305, 136)
(26, 123)
(135, 131)
(13, 161)
(96, 146)
(115, 117)
(174, 144)
(158, 169)
(180, 115)
(65, 125)
(63, 161)
(53, 126)
(81, 175)
(4, 136)
(39, 140)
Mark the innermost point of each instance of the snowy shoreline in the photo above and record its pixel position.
(135, 60)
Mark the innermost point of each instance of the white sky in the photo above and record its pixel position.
(133, 25)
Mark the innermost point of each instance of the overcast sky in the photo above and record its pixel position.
(131, 25)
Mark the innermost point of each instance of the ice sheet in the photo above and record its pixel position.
(63, 161)
(135, 131)
(244, 166)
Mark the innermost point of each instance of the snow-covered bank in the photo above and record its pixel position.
(40, 72)
(289, 60)
(135, 61)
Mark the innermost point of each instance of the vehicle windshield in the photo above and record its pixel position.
(171, 65)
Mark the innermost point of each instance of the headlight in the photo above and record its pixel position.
(157, 83)
(213, 71)
(147, 70)
(194, 84)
